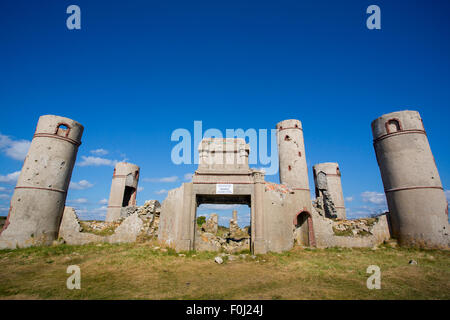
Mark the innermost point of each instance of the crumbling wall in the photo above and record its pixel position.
(123, 192)
(281, 206)
(174, 228)
(141, 224)
(70, 230)
(350, 233)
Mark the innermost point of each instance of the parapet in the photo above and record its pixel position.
(223, 154)
(399, 121)
(329, 168)
(59, 127)
(289, 124)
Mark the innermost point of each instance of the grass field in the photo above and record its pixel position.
(137, 271)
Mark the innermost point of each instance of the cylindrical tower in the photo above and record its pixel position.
(123, 189)
(291, 154)
(38, 201)
(415, 197)
(332, 176)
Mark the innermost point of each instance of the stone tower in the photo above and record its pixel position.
(38, 201)
(332, 188)
(291, 153)
(415, 197)
(123, 189)
(235, 215)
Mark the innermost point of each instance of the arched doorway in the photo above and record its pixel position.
(304, 231)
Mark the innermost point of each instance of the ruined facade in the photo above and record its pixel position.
(282, 215)
(294, 175)
(291, 154)
(40, 194)
(123, 189)
(327, 179)
(223, 177)
(414, 193)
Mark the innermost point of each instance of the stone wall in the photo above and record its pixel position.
(350, 233)
(142, 224)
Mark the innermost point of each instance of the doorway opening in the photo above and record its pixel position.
(303, 230)
(127, 196)
(223, 223)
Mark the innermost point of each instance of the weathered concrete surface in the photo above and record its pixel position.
(271, 216)
(212, 223)
(326, 236)
(124, 187)
(415, 197)
(70, 230)
(293, 174)
(40, 194)
(291, 153)
(171, 219)
(219, 155)
(333, 186)
(129, 230)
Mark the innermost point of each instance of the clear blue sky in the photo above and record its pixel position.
(137, 70)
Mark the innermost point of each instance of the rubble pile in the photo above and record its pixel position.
(149, 214)
(211, 242)
(229, 240)
(358, 227)
(211, 225)
(137, 224)
(148, 210)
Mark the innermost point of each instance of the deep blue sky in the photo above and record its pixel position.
(137, 70)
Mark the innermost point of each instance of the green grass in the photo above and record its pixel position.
(343, 233)
(137, 271)
(104, 232)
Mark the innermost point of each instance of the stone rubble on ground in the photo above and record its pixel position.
(357, 227)
(211, 225)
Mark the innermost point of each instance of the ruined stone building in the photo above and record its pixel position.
(329, 195)
(40, 194)
(282, 215)
(415, 196)
(123, 189)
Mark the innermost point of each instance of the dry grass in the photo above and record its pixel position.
(136, 271)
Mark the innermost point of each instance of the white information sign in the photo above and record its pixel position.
(224, 189)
